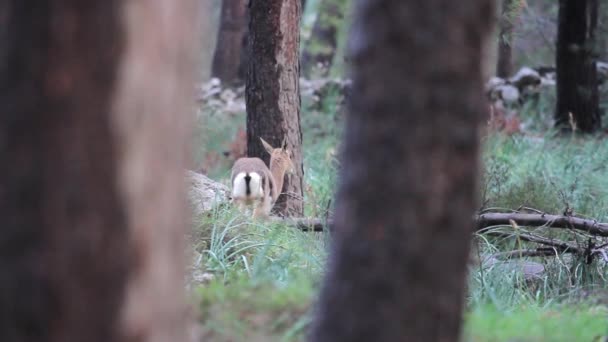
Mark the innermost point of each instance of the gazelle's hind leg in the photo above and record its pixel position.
(262, 208)
(239, 204)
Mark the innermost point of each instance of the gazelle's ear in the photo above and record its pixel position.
(284, 143)
(267, 146)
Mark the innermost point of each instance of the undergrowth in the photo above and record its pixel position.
(265, 275)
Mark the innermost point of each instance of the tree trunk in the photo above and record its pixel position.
(321, 47)
(577, 88)
(273, 92)
(207, 44)
(408, 178)
(504, 65)
(602, 34)
(92, 151)
(228, 60)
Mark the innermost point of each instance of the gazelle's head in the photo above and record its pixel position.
(280, 156)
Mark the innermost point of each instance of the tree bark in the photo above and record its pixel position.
(321, 47)
(577, 87)
(504, 65)
(92, 177)
(273, 91)
(230, 57)
(602, 34)
(409, 171)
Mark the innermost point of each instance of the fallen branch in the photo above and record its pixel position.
(506, 220)
(492, 219)
(308, 224)
(527, 253)
(488, 220)
(542, 220)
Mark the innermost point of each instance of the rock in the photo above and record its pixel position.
(493, 83)
(602, 71)
(204, 193)
(548, 81)
(525, 77)
(508, 93)
(529, 269)
(227, 95)
(201, 277)
(322, 86)
(210, 89)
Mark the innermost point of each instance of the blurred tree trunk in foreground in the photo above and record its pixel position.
(408, 180)
(321, 47)
(273, 90)
(92, 155)
(577, 88)
(230, 56)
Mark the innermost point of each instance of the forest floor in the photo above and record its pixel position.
(265, 276)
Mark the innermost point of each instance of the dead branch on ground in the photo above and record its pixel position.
(489, 222)
(542, 220)
(486, 220)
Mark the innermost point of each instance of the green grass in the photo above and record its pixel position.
(267, 275)
(246, 310)
(529, 323)
(547, 173)
(265, 278)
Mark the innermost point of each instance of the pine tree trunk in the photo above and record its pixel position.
(577, 88)
(321, 47)
(273, 92)
(504, 66)
(92, 151)
(602, 31)
(408, 179)
(207, 43)
(228, 60)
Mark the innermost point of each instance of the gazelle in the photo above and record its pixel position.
(253, 183)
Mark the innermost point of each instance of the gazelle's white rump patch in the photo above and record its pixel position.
(247, 185)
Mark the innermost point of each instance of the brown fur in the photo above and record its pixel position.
(272, 177)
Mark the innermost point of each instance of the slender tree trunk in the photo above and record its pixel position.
(408, 180)
(577, 88)
(602, 34)
(207, 42)
(229, 51)
(321, 47)
(91, 177)
(273, 92)
(504, 66)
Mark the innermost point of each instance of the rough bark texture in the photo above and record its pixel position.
(91, 181)
(229, 57)
(504, 65)
(273, 91)
(408, 178)
(321, 47)
(577, 88)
